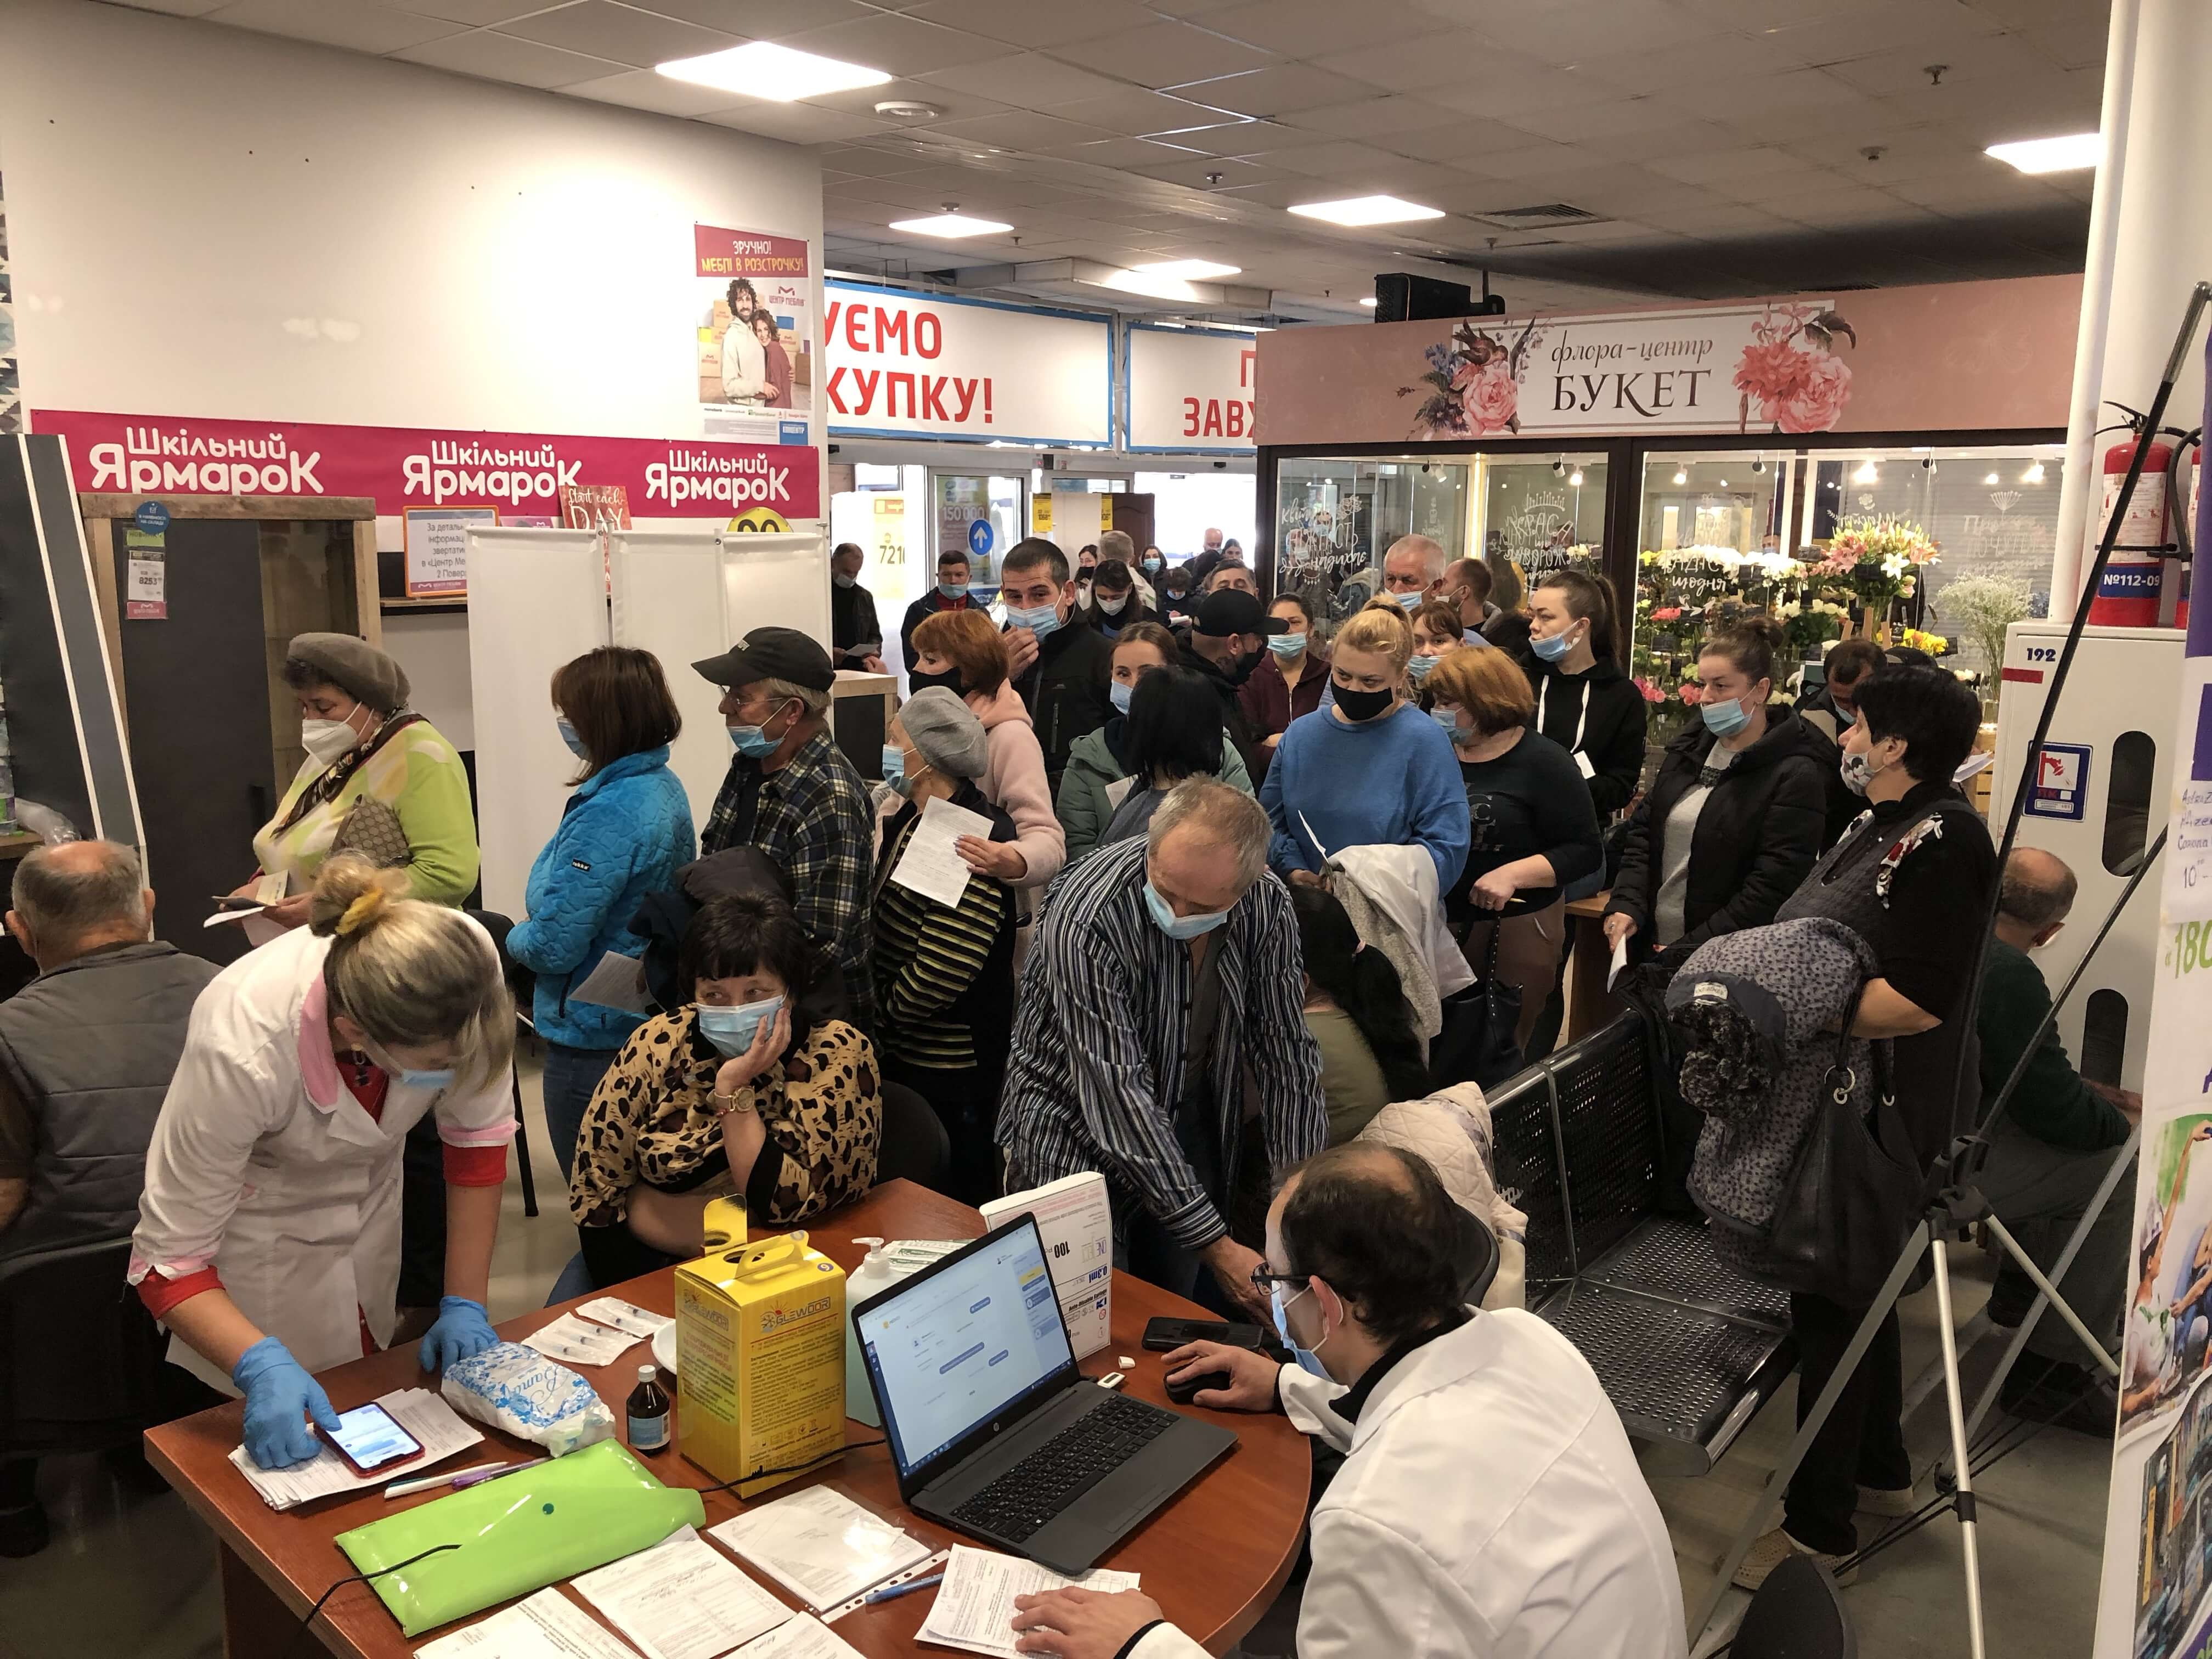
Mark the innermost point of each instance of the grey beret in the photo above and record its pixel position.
(354, 666)
(946, 733)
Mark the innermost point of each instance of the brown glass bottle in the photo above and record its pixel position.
(647, 1409)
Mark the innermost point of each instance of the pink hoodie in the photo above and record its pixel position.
(1015, 781)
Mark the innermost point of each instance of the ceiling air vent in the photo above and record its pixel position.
(1542, 217)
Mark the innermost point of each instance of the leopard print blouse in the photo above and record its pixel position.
(652, 1120)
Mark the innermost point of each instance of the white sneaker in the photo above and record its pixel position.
(1900, 1504)
(1775, 1547)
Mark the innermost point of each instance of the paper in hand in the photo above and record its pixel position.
(1620, 962)
(974, 1606)
(931, 865)
(616, 983)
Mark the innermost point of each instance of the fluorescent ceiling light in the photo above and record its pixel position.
(1357, 210)
(778, 73)
(2067, 154)
(1370, 303)
(1190, 271)
(950, 226)
(1157, 286)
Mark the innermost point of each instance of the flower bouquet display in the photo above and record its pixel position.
(1876, 561)
(1979, 609)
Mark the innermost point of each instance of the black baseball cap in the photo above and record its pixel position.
(772, 654)
(1229, 611)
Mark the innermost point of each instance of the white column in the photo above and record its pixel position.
(2149, 239)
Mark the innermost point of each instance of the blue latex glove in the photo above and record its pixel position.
(464, 1330)
(279, 1399)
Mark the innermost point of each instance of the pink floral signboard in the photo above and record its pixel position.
(1778, 366)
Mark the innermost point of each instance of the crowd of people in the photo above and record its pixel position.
(1174, 963)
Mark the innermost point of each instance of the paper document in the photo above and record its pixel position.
(821, 1546)
(549, 1625)
(1320, 851)
(975, 1605)
(1118, 790)
(239, 915)
(576, 1341)
(931, 865)
(442, 1430)
(627, 1316)
(682, 1599)
(801, 1637)
(1620, 962)
(1979, 761)
(1076, 1224)
(615, 983)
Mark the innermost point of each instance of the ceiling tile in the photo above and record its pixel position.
(1714, 61)
(1459, 144)
(1452, 58)
(1531, 161)
(1862, 30)
(1776, 188)
(1317, 29)
(1168, 53)
(1756, 15)
(1906, 153)
(1134, 154)
(348, 23)
(1607, 120)
(1797, 92)
(1729, 164)
(2071, 46)
(900, 45)
(758, 20)
(2016, 107)
(177, 8)
(1853, 205)
(475, 12)
(1263, 139)
(1572, 31)
(874, 161)
(954, 106)
(1374, 118)
(1341, 159)
(620, 33)
(1132, 110)
(1906, 70)
(1656, 143)
(1729, 219)
(1020, 130)
(502, 57)
(795, 124)
(1024, 23)
(1542, 89)
(1274, 90)
(1192, 171)
(1029, 81)
(643, 89)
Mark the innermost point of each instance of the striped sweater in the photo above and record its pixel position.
(943, 975)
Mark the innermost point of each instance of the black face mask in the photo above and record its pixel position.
(1362, 705)
(1238, 669)
(950, 679)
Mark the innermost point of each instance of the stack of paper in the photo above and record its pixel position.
(681, 1600)
(627, 1316)
(575, 1341)
(821, 1546)
(441, 1430)
(549, 1625)
(974, 1606)
(799, 1637)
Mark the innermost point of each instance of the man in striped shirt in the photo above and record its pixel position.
(1164, 975)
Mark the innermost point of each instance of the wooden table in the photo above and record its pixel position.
(1590, 1006)
(1214, 1558)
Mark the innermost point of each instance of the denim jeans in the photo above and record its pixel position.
(571, 1075)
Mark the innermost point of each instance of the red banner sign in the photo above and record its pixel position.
(747, 253)
(521, 473)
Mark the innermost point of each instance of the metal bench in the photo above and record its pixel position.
(1687, 1349)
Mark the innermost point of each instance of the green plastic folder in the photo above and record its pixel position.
(519, 1533)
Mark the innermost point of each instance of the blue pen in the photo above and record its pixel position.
(897, 1590)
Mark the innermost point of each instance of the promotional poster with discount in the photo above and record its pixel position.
(1192, 390)
(754, 335)
(910, 365)
(521, 473)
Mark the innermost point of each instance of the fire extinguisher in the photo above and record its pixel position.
(2184, 516)
(2128, 593)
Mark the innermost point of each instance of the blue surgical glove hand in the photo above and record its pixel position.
(464, 1329)
(279, 1399)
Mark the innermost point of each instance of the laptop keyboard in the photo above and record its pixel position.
(1040, 1487)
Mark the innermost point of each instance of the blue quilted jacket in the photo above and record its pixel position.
(625, 832)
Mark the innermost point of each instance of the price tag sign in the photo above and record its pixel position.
(146, 591)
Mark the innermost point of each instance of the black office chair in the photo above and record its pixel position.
(82, 1366)
(914, 1146)
(521, 985)
(1795, 1615)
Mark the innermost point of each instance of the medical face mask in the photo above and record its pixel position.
(569, 737)
(1557, 647)
(894, 769)
(1040, 620)
(1410, 601)
(1152, 566)
(329, 741)
(1362, 705)
(1469, 636)
(1287, 645)
(1185, 928)
(1114, 606)
(732, 1030)
(846, 581)
(1447, 719)
(430, 1081)
(1309, 1358)
(1120, 694)
(1859, 770)
(1723, 719)
(753, 742)
(1418, 667)
(953, 590)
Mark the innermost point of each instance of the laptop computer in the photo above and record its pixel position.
(993, 1430)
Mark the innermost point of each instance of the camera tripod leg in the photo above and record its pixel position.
(1954, 1402)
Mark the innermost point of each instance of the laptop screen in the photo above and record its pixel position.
(955, 1347)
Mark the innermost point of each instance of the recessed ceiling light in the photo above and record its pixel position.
(950, 226)
(905, 109)
(1151, 283)
(1355, 210)
(1190, 271)
(778, 74)
(1370, 303)
(2067, 155)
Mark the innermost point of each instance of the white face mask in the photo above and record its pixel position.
(329, 741)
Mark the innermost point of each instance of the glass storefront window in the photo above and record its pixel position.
(1335, 519)
(1541, 512)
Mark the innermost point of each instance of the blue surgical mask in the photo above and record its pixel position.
(753, 742)
(1410, 601)
(1040, 620)
(1120, 694)
(953, 590)
(1723, 719)
(1150, 566)
(1309, 1358)
(732, 1030)
(1418, 667)
(895, 769)
(1286, 645)
(429, 1082)
(1185, 928)
(1468, 636)
(1449, 719)
(1553, 649)
(569, 736)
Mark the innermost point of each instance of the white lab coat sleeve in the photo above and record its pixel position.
(477, 1117)
(219, 1103)
(1306, 1400)
(1373, 1591)
(1166, 1642)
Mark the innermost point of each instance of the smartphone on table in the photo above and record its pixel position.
(370, 1438)
(1164, 1334)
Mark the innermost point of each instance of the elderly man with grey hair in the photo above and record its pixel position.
(86, 1050)
(1163, 982)
(1414, 571)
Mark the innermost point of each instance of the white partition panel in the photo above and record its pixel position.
(536, 599)
(775, 580)
(668, 600)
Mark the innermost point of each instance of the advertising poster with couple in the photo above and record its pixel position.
(754, 335)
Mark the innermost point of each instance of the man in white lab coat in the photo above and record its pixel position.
(1489, 1505)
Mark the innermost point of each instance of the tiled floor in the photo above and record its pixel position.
(133, 1575)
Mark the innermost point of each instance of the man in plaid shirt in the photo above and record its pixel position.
(793, 795)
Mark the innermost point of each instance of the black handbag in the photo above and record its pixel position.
(1854, 1194)
(1477, 1043)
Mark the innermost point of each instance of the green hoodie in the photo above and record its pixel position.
(1084, 808)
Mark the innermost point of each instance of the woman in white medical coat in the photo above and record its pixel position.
(268, 1237)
